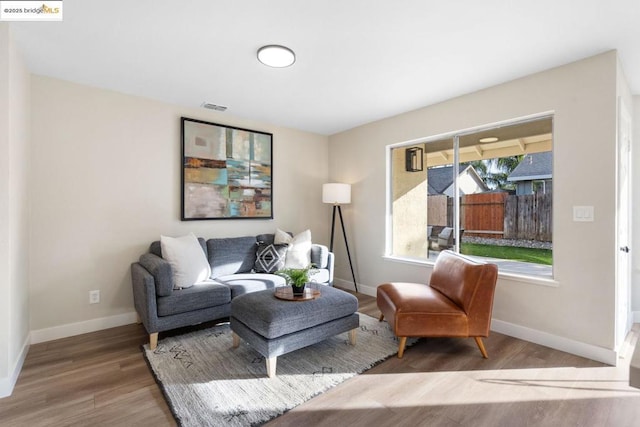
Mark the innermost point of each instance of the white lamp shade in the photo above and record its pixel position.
(336, 193)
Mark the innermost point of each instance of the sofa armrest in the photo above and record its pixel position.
(330, 263)
(321, 258)
(319, 255)
(161, 271)
(144, 297)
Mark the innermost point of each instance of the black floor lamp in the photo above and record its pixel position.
(338, 194)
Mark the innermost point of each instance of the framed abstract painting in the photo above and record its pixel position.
(226, 172)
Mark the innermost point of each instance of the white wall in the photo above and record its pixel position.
(582, 96)
(106, 182)
(14, 203)
(624, 300)
(635, 223)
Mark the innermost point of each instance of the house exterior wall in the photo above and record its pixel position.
(467, 184)
(409, 191)
(580, 306)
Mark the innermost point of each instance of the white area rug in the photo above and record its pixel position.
(208, 383)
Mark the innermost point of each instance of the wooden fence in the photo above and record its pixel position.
(483, 214)
(497, 215)
(528, 217)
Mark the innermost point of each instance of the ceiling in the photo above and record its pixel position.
(356, 61)
(513, 139)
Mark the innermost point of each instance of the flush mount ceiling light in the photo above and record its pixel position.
(276, 56)
(488, 139)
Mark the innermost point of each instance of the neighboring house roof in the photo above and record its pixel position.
(533, 166)
(441, 178)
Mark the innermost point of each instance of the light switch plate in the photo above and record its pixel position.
(583, 213)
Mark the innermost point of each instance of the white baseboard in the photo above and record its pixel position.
(604, 355)
(71, 329)
(635, 315)
(7, 384)
(348, 284)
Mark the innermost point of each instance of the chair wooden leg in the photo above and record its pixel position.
(153, 341)
(401, 345)
(381, 318)
(481, 347)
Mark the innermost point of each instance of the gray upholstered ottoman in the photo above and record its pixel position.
(275, 327)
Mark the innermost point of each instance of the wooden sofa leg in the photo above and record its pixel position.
(153, 341)
(481, 347)
(381, 318)
(236, 339)
(401, 345)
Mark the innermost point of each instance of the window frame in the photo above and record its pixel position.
(455, 135)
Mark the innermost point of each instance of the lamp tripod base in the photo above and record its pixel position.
(346, 243)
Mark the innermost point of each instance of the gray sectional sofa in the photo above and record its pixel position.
(160, 307)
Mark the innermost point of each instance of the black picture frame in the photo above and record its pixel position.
(226, 172)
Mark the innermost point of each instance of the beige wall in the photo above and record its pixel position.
(582, 96)
(14, 203)
(106, 182)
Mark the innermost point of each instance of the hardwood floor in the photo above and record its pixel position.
(102, 379)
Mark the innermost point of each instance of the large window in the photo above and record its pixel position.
(485, 193)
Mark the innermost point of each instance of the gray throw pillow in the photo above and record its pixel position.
(270, 257)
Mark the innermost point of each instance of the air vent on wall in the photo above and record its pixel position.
(216, 107)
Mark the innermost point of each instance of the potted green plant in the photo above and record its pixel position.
(296, 277)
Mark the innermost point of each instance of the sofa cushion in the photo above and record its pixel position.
(319, 275)
(299, 252)
(270, 257)
(188, 261)
(250, 282)
(265, 238)
(201, 295)
(231, 255)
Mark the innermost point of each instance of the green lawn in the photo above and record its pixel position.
(538, 256)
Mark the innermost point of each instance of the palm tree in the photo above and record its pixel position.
(495, 171)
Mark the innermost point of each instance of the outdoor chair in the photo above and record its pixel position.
(444, 240)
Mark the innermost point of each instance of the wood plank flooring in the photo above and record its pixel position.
(102, 379)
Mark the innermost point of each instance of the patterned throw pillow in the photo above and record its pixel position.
(270, 258)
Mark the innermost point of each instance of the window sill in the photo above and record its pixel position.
(522, 278)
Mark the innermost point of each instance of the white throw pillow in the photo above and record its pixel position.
(188, 261)
(299, 252)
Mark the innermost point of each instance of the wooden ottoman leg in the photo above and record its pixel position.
(401, 345)
(236, 339)
(381, 317)
(352, 336)
(271, 366)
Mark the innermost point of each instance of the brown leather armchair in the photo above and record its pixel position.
(457, 302)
